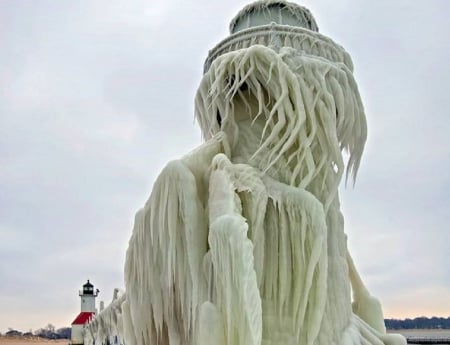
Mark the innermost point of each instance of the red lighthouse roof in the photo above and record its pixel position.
(83, 317)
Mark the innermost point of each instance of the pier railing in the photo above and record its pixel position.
(428, 340)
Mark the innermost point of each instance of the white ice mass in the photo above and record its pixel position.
(242, 240)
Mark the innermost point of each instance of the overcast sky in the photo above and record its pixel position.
(96, 96)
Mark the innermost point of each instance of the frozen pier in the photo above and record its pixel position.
(428, 340)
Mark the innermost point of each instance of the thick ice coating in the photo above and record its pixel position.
(242, 240)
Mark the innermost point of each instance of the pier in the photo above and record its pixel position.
(428, 340)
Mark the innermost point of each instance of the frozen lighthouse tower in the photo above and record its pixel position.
(242, 240)
(87, 296)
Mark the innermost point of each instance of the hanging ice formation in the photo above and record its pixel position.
(107, 326)
(242, 241)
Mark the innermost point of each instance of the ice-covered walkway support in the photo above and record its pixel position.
(107, 326)
(242, 241)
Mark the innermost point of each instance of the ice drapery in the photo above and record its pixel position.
(107, 326)
(242, 241)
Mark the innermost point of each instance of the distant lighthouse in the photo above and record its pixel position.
(87, 295)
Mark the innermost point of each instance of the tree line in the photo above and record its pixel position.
(419, 323)
(47, 332)
(50, 332)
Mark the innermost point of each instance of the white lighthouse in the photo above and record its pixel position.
(87, 295)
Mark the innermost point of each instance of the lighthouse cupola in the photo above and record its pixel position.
(88, 295)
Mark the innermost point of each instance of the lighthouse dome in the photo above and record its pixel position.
(88, 288)
(264, 12)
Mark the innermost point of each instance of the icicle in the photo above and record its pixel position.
(304, 113)
(236, 292)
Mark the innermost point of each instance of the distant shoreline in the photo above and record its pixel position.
(26, 340)
(17, 340)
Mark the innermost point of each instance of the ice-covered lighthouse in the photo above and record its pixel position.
(242, 240)
(87, 296)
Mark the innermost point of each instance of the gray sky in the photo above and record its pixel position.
(97, 95)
